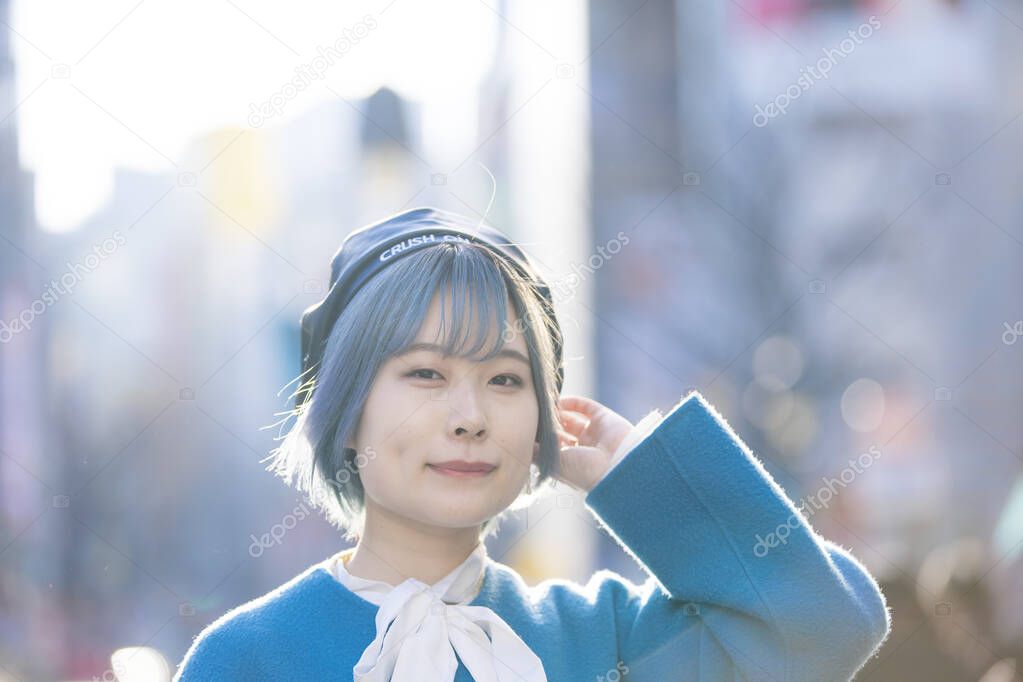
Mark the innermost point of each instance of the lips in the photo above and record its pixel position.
(459, 467)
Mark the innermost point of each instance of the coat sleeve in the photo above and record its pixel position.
(691, 504)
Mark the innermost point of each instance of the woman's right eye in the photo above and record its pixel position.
(417, 373)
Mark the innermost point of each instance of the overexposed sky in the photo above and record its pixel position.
(129, 83)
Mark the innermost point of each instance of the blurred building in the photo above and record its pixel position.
(834, 279)
(27, 474)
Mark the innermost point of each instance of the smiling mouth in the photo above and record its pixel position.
(463, 471)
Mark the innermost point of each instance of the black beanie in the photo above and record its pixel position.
(370, 249)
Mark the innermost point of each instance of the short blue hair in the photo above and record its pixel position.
(382, 320)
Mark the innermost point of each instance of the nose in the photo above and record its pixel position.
(465, 413)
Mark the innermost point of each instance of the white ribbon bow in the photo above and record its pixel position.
(418, 634)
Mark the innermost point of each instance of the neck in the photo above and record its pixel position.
(393, 549)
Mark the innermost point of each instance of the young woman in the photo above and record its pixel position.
(430, 407)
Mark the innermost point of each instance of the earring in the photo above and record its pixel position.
(530, 484)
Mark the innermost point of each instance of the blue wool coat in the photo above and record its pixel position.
(740, 587)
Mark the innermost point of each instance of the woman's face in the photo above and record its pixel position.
(424, 409)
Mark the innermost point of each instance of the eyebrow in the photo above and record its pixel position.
(434, 348)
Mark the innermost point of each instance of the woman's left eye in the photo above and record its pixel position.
(515, 381)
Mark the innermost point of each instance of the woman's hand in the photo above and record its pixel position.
(590, 434)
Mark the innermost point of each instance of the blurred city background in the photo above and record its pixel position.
(809, 210)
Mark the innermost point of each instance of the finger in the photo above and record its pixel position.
(573, 421)
(580, 466)
(581, 404)
(575, 432)
(566, 439)
(567, 433)
(575, 402)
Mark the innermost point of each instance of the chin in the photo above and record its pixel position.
(458, 518)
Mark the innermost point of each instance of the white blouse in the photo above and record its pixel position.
(421, 625)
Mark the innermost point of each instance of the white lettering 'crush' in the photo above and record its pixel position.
(419, 241)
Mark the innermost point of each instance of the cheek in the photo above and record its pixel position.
(519, 448)
(388, 422)
(399, 454)
(385, 478)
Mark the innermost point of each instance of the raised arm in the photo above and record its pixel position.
(689, 503)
